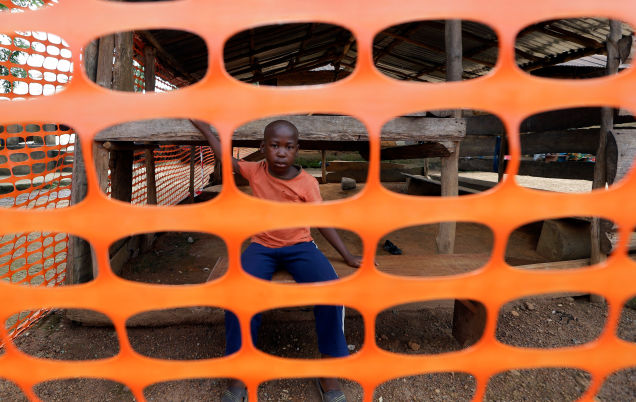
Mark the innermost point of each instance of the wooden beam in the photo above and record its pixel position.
(553, 120)
(557, 170)
(166, 57)
(79, 256)
(600, 167)
(311, 128)
(449, 173)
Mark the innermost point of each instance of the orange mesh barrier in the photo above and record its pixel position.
(36, 160)
(373, 99)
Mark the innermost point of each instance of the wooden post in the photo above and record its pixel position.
(449, 174)
(323, 165)
(121, 169)
(600, 167)
(79, 260)
(192, 155)
(149, 68)
(501, 162)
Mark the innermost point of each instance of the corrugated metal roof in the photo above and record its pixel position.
(413, 51)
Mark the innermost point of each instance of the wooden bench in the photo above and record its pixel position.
(469, 317)
(432, 185)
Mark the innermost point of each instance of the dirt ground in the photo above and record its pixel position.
(425, 328)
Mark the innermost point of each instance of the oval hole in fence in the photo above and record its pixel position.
(551, 320)
(558, 243)
(559, 147)
(414, 250)
(48, 181)
(627, 322)
(292, 332)
(199, 389)
(619, 386)
(169, 258)
(304, 389)
(69, 334)
(416, 51)
(291, 54)
(536, 384)
(19, 6)
(572, 48)
(415, 147)
(185, 333)
(10, 390)
(20, 56)
(430, 327)
(83, 389)
(283, 255)
(455, 386)
(330, 149)
(41, 259)
(182, 173)
(177, 59)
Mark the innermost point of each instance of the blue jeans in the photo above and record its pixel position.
(306, 263)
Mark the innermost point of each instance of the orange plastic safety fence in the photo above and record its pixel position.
(36, 161)
(372, 98)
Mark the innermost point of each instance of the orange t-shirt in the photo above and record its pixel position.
(302, 188)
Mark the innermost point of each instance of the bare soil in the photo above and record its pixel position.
(424, 328)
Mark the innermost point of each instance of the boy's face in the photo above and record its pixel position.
(280, 147)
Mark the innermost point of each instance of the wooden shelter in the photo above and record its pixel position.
(425, 51)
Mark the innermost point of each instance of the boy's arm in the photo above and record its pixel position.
(334, 239)
(214, 142)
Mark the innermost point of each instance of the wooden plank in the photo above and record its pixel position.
(311, 128)
(431, 186)
(557, 170)
(123, 75)
(414, 151)
(577, 140)
(561, 119)
(432, 265)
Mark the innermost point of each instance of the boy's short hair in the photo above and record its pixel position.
(280, 124)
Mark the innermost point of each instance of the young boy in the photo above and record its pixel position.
(277, 178)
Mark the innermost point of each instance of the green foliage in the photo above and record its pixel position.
(4, 54)
(22, 43)
(28, 3)
(18, 72)
(4, 70)
(3, 7)
(5, 86)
